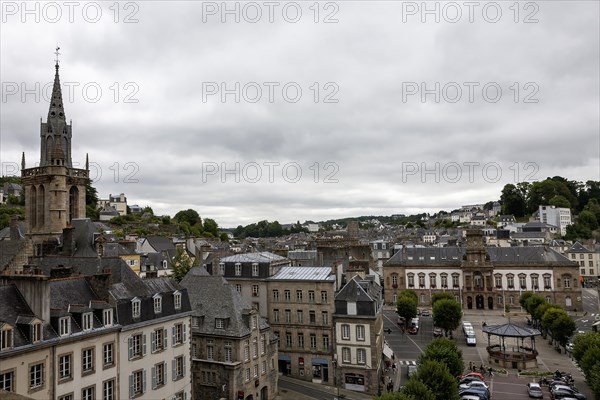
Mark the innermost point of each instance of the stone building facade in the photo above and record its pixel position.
(483, 277)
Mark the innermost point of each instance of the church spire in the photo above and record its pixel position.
(56, 132)
(56, 111)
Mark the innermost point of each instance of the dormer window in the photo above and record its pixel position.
(87, 321)
(254, 269)
(177, 300)
(6, 341)
(107, 317)
(135, 308)
(238, 269)
(221, 269)
(36, 332)
(157, 304)
(64, 326)
(219, 323)
(164, 264)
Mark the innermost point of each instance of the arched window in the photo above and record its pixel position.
(568, 301)
(33, 207)
(41, 204)
(73, 203)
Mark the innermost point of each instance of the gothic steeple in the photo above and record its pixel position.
(56, 133)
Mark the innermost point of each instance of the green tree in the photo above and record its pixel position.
(559, 201)
(593, 379)
(224, 237)
(395, 396)
(532, 304)
(406, 307)
(417, 389)
(513, 201)
(210, 226)
(91, 202)
(588, 220)
(440, 296)
(562, 328)
(589, 359)
(410, 294)
(445, 351)
(181, 264)
(438, 378)
(523, 299)
(583, 342)
(190, 216)
(447, 314)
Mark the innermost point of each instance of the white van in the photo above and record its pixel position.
(467, 326)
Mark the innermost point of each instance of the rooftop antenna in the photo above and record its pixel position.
(57, 53)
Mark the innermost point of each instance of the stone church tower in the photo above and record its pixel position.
(54, 191)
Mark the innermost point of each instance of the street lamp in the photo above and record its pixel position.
(335, 376)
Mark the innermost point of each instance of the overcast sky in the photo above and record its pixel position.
(375, 108)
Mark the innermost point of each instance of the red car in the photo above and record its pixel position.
(475, 374)
(413, 330)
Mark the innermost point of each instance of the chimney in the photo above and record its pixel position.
(36, 291)
(101, 282)
(68, 248)
(15, 233)
(61, 272)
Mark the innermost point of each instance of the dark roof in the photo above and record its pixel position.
(83, 235)
(528, 235)
(12, 304)
(510, 330)
(353, 291)
(161, 243)
(89, 266)
(211, 298)
(578, 248)
(70, 291)
(144, 290)
(441, 255)
(117, 249)
(8, 250)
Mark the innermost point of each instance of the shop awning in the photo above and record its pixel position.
(283, 357)
(319, 361)
(387, 351)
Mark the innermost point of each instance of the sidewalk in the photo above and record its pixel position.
(344, 393)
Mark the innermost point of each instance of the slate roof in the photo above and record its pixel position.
(67, 291)
(261, 257)
(510, 330)
(117, 249)
(302, 254)
(161, 243)
(526, 255)
(498, 255)
(528, 235)
(212, 297)
(144, 289)
(83, 235)
(87, 266)
(578, 248)
(441, 255)
(304, 274)
(8, 250)
(353, 291)
(13, 309)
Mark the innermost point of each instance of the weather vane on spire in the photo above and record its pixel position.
(57, 53)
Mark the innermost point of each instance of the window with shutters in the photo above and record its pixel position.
(137, 383)
(179, 334)
(137, 346)
(159, 340)
(178, 368)
(108, 390)
(159, 375)
(263, 343)
(107, 317)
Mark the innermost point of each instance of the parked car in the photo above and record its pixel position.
(470, 397)
(484, 394)
(413, 330)
(473, 384)
(560, 392)
(425, 313)
(469, 379)
(412, 369)
(437, 332)
(466, 324)
(535, 390)
(475, 374)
